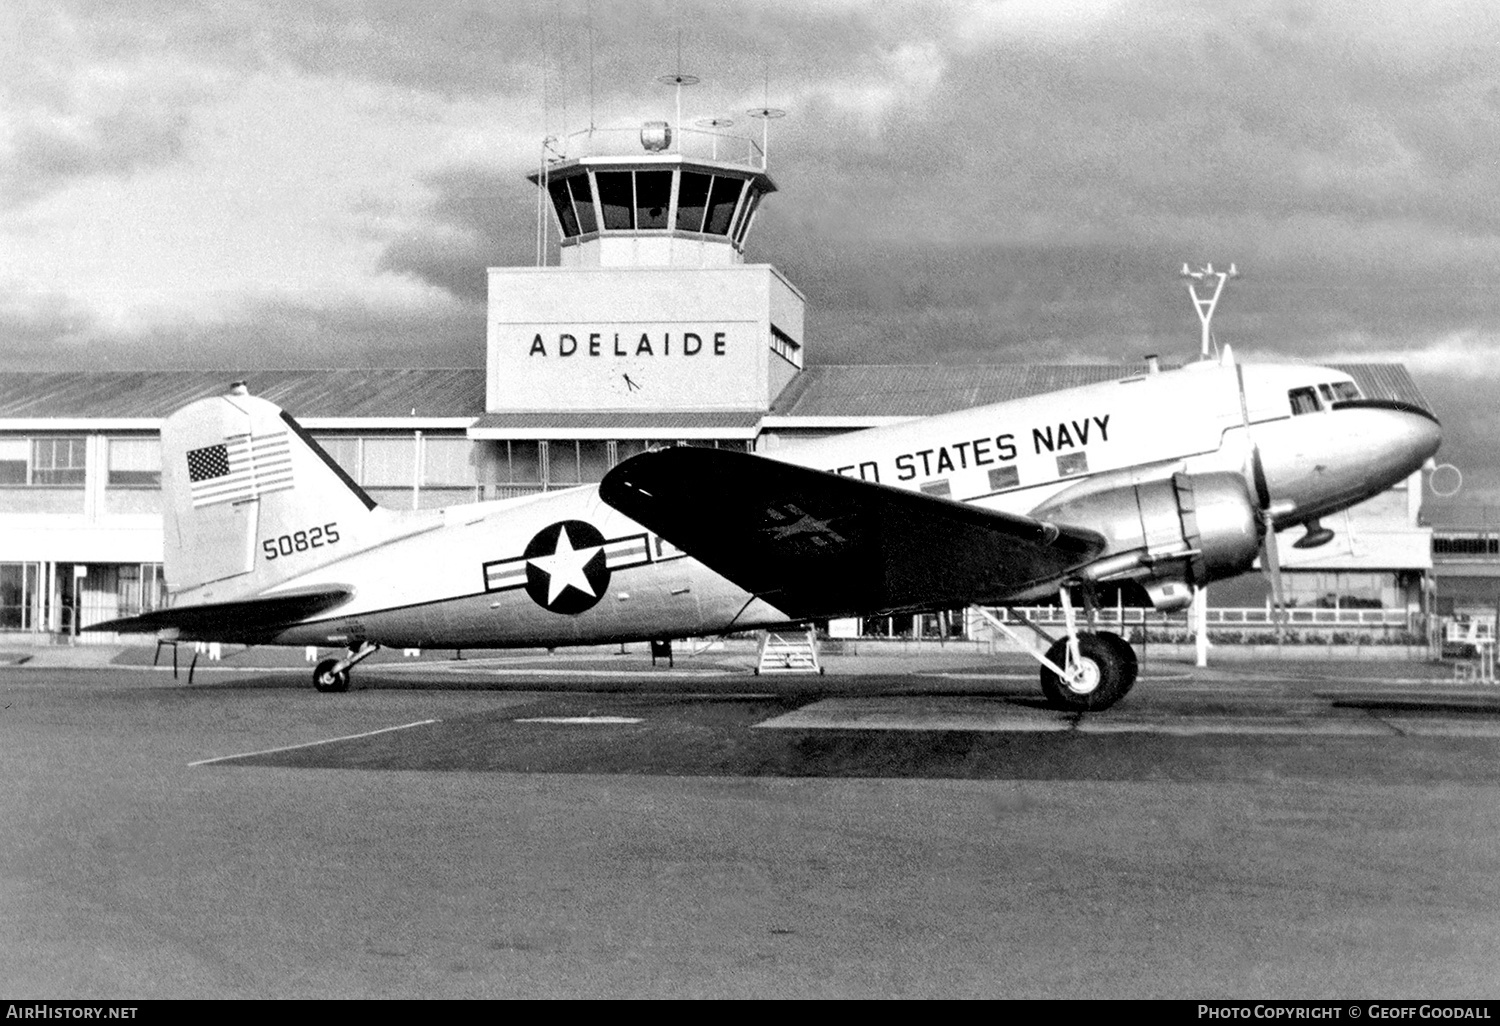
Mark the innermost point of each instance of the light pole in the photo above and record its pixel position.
(1205, 307)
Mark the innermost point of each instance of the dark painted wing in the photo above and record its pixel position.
(229, 621)
(816, 545)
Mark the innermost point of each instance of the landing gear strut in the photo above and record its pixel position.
(1087, 671)
(333, 674)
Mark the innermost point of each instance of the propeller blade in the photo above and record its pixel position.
(1270, 556)
(1270, 562)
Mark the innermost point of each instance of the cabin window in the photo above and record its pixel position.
(653, 198)
(1303, 400)
(583, 203)
(1073, 463)
(939, 488)
(1004, 477)
(617, 198)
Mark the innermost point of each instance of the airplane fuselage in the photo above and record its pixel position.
(565, 568)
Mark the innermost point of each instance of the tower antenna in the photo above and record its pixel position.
(679, 80)
(767, 114)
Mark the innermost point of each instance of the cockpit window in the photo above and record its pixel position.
(1327, 392)
(1304, 400)
(1345, 390)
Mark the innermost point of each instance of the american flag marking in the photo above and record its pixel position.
(239, 468)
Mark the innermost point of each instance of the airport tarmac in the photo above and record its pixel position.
(534, 826)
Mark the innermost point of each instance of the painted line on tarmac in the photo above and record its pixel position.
(583, 719)
(312, 744)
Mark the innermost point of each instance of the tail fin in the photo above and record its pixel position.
(251, 499)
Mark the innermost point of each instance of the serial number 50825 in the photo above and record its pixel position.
(301, 541)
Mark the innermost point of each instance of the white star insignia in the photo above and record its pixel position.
(564, 568)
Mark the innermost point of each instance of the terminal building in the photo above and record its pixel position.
(651, 329)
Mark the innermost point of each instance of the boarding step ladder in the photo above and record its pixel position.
(782, 653)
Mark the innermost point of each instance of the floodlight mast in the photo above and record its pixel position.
(1205, 307)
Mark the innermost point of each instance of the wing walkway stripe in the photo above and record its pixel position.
(312, 744)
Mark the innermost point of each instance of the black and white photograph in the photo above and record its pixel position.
(756, 499)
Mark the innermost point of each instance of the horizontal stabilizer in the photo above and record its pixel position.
(814, 544)
(226, 621)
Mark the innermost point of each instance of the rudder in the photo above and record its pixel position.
(251, 499)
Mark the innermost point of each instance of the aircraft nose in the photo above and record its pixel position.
(1404, 436)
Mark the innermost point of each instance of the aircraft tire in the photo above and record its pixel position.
(325, 680)
(1127, 654)
(1106, 675)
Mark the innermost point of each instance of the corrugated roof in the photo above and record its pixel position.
(819, 391)
(925, 391)
(605, 419)
(304, 393)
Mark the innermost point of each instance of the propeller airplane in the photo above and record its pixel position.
(1170, 479)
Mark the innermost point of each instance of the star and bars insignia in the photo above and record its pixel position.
(241, 467)
(567, 565)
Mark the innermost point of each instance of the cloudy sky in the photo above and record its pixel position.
(306, 183)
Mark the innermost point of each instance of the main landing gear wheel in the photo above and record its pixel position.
(1127, 655)
(1100, 679)
(326, 678)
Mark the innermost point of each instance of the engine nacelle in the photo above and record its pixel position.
(1190, 528)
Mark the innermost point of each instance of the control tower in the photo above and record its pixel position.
(651, 326)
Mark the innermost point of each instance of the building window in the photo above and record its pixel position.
(747, 214)
(583, 204)
(653, 198)
(448, 463)
(58, 462)
(562, 200)
(134, 463)
(617, 198)
(692, 201)
(722, 201)
(388, 462)
(784, 346)
(343, 450)
(15, 461)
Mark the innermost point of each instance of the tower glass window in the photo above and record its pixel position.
(653, 198)
(721, 203)
(617, 198)
(562, 199)
(583, 203)
(692, 201)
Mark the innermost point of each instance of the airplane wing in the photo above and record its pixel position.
(229, 621)
(815, 544)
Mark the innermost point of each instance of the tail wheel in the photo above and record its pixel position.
(326, 678)
(1100, 679)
